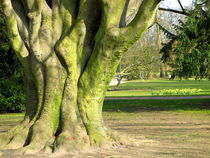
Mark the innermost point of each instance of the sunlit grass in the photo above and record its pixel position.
(148, 87)
(11, 116)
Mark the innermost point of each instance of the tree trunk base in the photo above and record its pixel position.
(31, 139)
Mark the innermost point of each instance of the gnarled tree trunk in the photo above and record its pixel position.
(69, 50)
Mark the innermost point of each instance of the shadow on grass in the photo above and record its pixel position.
(156, 105)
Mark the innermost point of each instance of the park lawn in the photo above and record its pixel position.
(172, 128)
(162, 128)
(181, 105)
(147, 87)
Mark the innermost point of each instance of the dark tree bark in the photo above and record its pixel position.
(69, 50)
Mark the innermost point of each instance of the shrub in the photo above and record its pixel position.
(12, 97)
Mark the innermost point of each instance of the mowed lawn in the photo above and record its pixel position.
(147, 87)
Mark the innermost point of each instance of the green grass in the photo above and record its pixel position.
(157, 105)
(123, 108)
(146, 87)
(11, 116)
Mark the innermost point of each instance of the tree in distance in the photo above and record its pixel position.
(188, 53)
(69, 50)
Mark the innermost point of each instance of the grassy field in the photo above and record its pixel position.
(147, 87)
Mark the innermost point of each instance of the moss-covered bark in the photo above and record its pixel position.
(70, 51)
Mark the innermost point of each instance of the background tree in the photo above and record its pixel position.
(188, 52)
(142, 60)
(69, 51)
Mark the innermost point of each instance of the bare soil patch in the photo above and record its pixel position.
(159, 135)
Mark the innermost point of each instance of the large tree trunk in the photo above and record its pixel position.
(69, 51)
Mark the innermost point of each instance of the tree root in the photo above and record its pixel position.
(36, 146)
(18, 140)
(106, 138)
(27, 138)
(6, 138)
(68, 142)
(38, 137)
(72, 139)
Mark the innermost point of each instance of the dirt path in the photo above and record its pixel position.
(159, 134)
(158, 98)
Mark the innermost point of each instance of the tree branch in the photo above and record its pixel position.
(144, 18)
(13, 32)
(37, 10)
(22, 19)
(112, 12)
(68, 11)
(146, 11)
(181, 6)
(57, 20)
(82, 33)
(166, 31)
(174, 11)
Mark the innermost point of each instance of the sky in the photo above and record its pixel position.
(173, 4)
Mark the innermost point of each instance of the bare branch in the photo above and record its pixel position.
(165, 30)
(181, 6)
(174, 11)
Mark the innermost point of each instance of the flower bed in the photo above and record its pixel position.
(177, 92)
